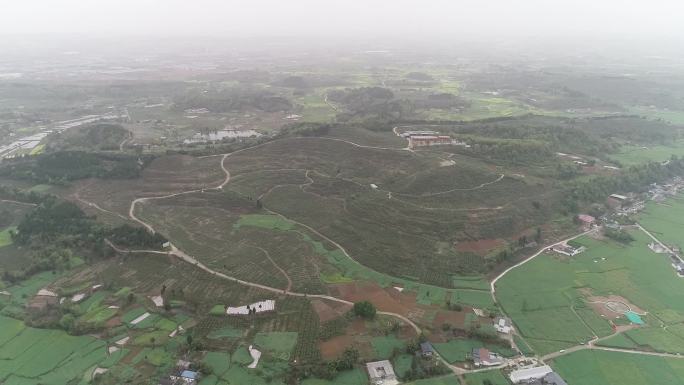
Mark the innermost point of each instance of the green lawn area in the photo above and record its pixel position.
(265, 221)
(5, 238)
(524, 347)
(40, 188)
(596, 367)
(538, 295)
(226, 332)
(39, 149)
(241, 356)
(475, 298)
(494, 376)
(402, 364)
(279, 344)
(618, 341)
(383, 346)
(219, 362)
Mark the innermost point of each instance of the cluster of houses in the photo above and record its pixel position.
(219, 135)
(182, 375)
(660, 193)
(429, 138)
(30, 142)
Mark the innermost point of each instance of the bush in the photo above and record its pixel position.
(364, 309)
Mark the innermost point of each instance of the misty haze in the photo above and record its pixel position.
(341, 192)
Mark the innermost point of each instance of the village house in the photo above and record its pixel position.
(428, 140)
(426, 350)
(587, 221)
(615, 201)
(527, 375)
(381, 372)
(503, 325)
(483, 357)
(568, 250)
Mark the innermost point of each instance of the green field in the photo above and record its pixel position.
(266, 221)
(385, 345)
(226, 332)
(218, 362)
(665, 221)
(279, 344)
(631, 155)
(446, 380)
(459, 350)
(539, 294)
(595, 367)
(618, 341)
(494, 376)
(5, 238)
(350, 377)
(50, 357)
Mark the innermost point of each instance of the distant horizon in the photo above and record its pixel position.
(467, 20)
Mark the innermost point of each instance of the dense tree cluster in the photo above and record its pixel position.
(130, 236)
(97, 136)
(635, 178)
(240, 98)
(62, 166)
(63, 224)
(618, 235)
(364, 309)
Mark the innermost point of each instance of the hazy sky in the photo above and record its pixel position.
(319, 18)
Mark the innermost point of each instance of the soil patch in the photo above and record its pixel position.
(327, 311)
(607, 306)
(480, 247)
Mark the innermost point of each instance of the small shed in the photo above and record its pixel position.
(426, 350)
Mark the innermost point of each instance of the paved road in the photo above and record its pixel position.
(531, 257)
(659, 242)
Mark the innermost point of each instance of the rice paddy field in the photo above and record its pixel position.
(546, 297)
(631, 155)
(596, 367)
(665, 220)
(39, 356)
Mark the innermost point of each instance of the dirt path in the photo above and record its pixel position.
(268, 256)
(18, 203)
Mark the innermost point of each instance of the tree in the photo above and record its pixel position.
(364, 309)
(348, 359)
